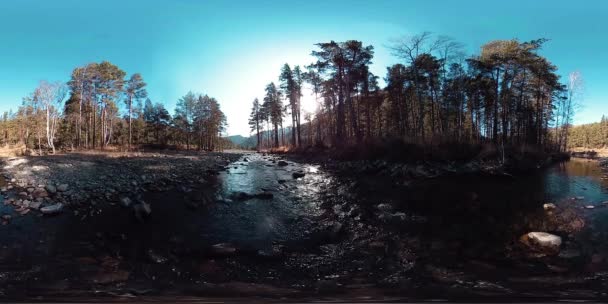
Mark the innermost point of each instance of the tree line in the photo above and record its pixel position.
(99, 107)
(507, 95)
(592, 136)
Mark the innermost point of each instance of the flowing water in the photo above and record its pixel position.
(323, 233)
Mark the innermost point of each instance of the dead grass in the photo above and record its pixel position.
(11, 151)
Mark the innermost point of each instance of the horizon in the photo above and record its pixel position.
(210, 48)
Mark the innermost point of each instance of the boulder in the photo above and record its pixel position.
(298, 174)
(52, 209)
(282, 163)
(542, 243)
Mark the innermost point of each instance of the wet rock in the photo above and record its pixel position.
(298, 174)
(542, 243)
(52, 209)
(243, 196)
(62, 188)
(51, 188)
(282, 163)
(223, 249)
(264, 195)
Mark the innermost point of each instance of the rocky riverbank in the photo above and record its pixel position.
(258, 225)
(83, 182)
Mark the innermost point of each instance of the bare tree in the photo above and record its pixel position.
(51, 97)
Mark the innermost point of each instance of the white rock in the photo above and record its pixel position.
(542, 242)
(549, 206)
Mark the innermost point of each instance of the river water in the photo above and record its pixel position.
(261, 230)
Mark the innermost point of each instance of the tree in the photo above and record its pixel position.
(254, 120)
(135, 90)
(344, 63)
(274, 106)
(184, 111)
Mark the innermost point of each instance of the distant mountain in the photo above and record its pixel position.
(237, 139)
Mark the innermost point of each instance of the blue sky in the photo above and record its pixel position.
(232, 49)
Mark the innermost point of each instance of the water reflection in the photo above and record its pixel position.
(581, 179)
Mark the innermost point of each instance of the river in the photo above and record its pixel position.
(263, 230)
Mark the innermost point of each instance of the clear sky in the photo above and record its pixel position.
(232, 49)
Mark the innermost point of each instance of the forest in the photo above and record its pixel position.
(591, 136)
(101, 108)
(508, 95)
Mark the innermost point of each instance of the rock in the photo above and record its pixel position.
(542, 243)
(52, 209)
(384, 207)
(142, 211)
(35, 205)
(549, 207)
(51, 188)
(62, 188)
(125, 201)
(282, 163)
(298, 174)
(40, 193)
(265, 195)
(223, 249)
